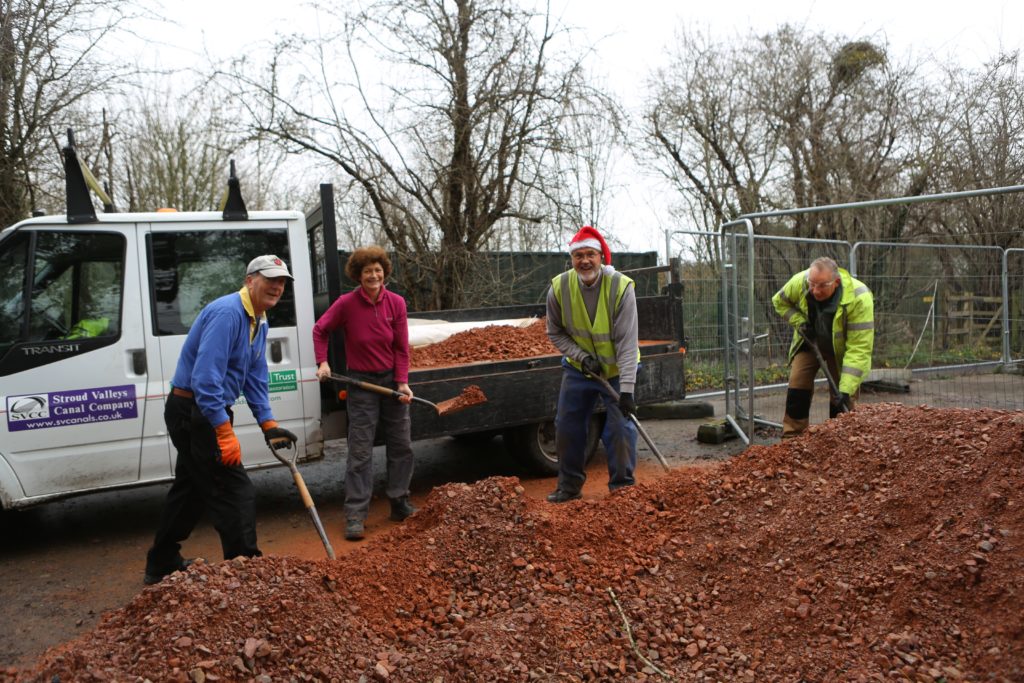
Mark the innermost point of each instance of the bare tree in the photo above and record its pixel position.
(780, 120)
(173, 147)
(50, 64)
(974, 132)
(452, 147)
(584, 162)
(980, 136)
(173, 153)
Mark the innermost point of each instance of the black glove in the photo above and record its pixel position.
(626, 404)
(805, 331)
(591, 366)
(279, 435)
(844, 405)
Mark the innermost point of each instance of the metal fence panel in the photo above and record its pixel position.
(949, 319)
(1013, 327)
(939, 322)
(935, 305)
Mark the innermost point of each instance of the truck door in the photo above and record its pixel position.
(72, 358)
(191, 265)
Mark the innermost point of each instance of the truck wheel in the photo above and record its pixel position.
(535, 444)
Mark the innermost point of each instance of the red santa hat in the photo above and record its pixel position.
(590, 237)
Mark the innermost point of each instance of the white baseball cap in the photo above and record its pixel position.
(268, 265)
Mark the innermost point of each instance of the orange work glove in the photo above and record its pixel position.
(230, 449)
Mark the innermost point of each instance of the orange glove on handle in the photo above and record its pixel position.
(281, 437)
(230, 450)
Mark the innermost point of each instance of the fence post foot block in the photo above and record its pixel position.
(718, 431)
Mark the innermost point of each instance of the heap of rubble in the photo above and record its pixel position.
(882, 545)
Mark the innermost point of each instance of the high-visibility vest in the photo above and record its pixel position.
(853, 328)
(87, 328)
(593, 337)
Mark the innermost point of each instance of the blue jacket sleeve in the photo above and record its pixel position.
(211, 366)
(257, 379)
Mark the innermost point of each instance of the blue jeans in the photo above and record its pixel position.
(576, 401)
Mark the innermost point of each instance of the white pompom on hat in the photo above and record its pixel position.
(590, 237)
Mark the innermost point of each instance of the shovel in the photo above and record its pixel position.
(824, 367)
(643, 432)
(307, 500)
(470, 396)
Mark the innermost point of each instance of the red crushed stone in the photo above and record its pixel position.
(882, 545)
(471, 395)
(492, 342)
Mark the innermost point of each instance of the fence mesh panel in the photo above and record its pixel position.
(940, 322)
(1015, 301)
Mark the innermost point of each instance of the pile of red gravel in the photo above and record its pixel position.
(883, 545)
(492, 342)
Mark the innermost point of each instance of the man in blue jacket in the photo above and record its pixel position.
(224, 356)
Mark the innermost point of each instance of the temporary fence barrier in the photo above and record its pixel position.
(949, 318)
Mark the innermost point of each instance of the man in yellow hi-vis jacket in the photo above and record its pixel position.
(837, 311)
(592, 320)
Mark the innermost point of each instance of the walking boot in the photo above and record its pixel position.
(401, 508)
(154, 576)
(354, 530)
(563, 496)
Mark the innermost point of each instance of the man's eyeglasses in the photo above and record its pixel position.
(819, 286)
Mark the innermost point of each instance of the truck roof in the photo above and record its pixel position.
(158, 217)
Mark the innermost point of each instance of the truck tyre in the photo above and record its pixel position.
(535, 444)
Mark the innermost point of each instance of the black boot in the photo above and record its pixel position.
(401, 508)
(354, 529)
(563, 496)
(153, 576)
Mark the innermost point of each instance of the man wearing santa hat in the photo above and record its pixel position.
(592, 320)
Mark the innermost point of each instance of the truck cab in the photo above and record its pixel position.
(94, 310)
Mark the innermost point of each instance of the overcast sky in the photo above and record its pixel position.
(631, 38)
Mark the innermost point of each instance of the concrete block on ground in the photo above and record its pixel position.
(676, 410)
(889, 379)
(715, 432)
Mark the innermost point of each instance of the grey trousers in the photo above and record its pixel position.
(365, 410)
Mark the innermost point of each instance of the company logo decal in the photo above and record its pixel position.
(283, 380)
(67, 408)
(28, 407)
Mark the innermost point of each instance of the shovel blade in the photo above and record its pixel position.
(470, 396)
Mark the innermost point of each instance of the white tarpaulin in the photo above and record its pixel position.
(424, 331)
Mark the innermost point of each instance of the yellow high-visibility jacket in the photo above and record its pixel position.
(88, 328)
(853, 328)
(594, 338)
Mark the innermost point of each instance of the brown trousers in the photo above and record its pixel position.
(802, 371)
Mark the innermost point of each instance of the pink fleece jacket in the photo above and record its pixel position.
(376, 335)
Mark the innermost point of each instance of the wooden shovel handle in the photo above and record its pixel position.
(376, 388)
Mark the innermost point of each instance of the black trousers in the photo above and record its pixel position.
(202, 484)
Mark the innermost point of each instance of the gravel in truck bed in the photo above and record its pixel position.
(491, 342)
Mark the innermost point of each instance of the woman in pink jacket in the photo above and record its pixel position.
(374, 324)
